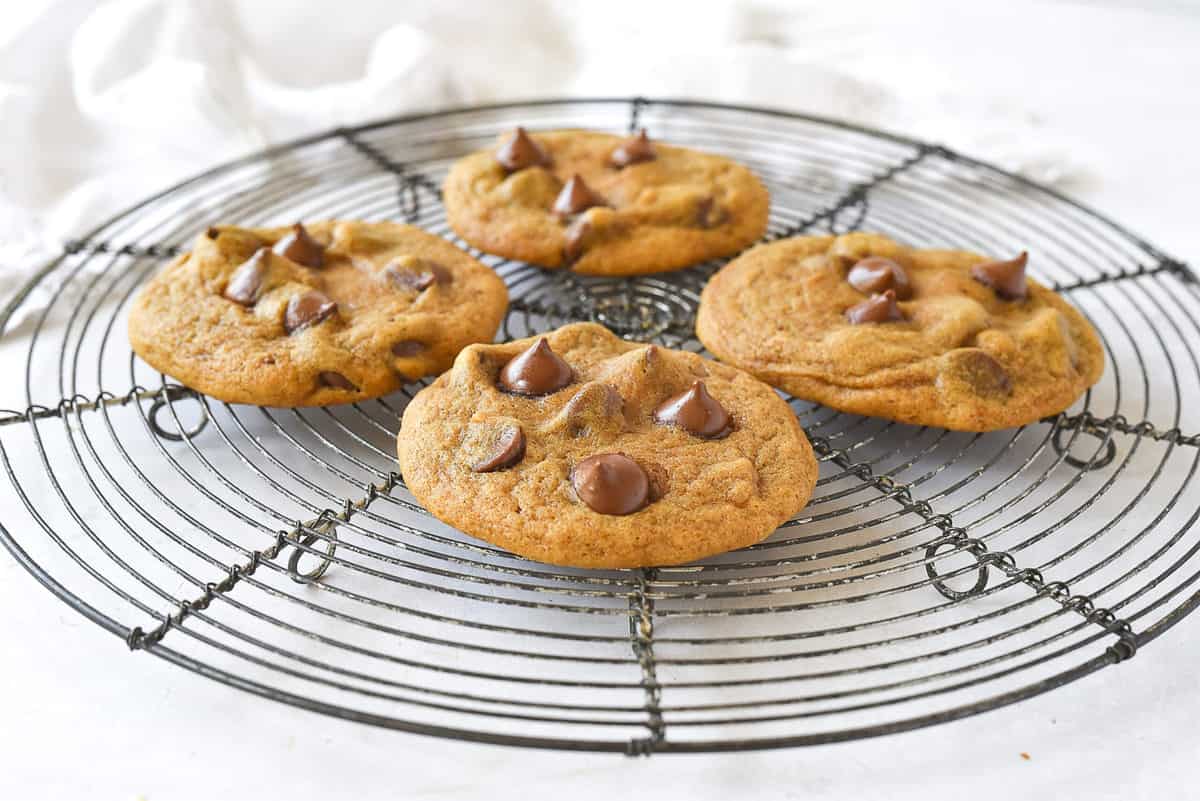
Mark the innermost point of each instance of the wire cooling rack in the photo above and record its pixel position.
(934, 575)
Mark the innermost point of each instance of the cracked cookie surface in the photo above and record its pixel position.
(328, 313)
(967, 343)
(644, 456)
(603, 204)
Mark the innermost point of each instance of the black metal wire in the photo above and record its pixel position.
(934, 575)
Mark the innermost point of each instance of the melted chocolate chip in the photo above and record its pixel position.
(876, 309)
(876, 274)
(212, 233)
(576, 238)
(709, 214)
(245, 284)
(633, 150)
(611, 484)
(985, 375)
(417, 276)
(696, 412)
(536, 371)
(408, 347)
(308, 309)
(337, 381)
(301, 248)
(520, 151)
(1007, 278)
(575, 197)
(508, 449)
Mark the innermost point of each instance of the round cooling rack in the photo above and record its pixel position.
(934, 575)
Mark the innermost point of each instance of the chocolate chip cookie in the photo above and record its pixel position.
(929, 337)
(603, 204)
(579, 448)
(313, 315)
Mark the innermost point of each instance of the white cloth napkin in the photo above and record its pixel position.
(103, 105)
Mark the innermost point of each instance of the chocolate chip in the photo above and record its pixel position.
(633, 150)
(611, 484)
(876, 309)
(408, 347)
(212, 233)
(875, 274)
(245, 285)
(576, 239)
(538, 370)
(1007, 278)
(709, 214)
(520, 151)
(593, 407)
(508, 449)
(417, 274)
(301, 248)
(982, 372)
(308, 309)
(575, 197)
(337, 381)
(651, 357)
(696, 412)
(593, 397)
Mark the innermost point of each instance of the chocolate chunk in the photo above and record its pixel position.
(611, 484)
(301, 248)
(245, 284)
(875, 274)
(408, 347)
(212, 232)
(308, 309)
(633, 150)
(509, 448)
(520, 151)
(709, 214)
(1007, 278)
(876, 309)
(337, 381)
(418, 274)
(696, 412)
(982, 372)
(536, 371)
(576, 196)
(576, 239)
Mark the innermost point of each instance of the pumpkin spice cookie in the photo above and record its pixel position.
(313, 315)
(929, 337)
(579, 448)
(603, 205)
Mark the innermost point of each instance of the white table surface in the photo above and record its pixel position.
(82, 717)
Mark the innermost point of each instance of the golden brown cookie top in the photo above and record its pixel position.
(597, 452)
(603, 204)
(328, 312)
(932, 337)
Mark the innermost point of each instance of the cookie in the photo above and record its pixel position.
(313, 315)
(579, 448)
(929, 337)
(602, 204)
